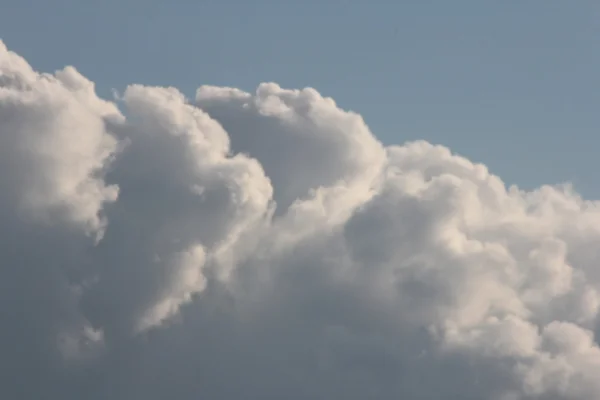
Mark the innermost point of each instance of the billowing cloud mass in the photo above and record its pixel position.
(267, 246)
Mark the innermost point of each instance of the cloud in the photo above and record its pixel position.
(267, 245)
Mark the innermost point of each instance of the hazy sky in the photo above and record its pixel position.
(511, 83)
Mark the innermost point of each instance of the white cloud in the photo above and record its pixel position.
(54, 146)
(267, 245)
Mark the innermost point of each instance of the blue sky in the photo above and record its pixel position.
(513, 84)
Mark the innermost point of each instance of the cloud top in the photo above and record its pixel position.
(267, 245)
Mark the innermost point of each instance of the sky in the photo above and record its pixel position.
(282, 222)
(513, 84)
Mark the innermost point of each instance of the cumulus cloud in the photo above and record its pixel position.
(266, 245)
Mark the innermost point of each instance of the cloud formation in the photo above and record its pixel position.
(266, 245)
